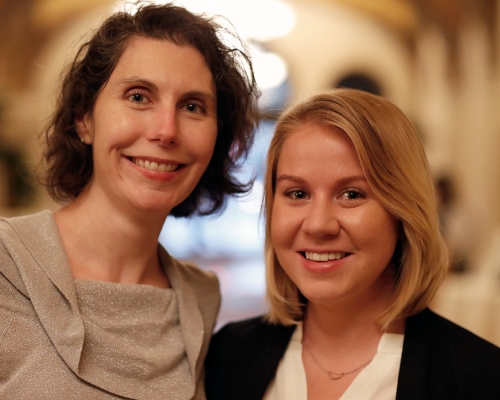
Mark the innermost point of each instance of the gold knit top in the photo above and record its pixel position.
(133, 337)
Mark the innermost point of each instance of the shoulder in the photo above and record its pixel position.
(457, 338)
(28, 231)
(189, 272)
(197, 275)
(468, 351)
(240, 342)
(194, 287)
(26, 222)
(243, 358)
(252, 331)
(444, 359)
(20, 237)
(27, 245)
(248, 341)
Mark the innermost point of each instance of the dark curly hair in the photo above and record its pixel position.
(69, 163)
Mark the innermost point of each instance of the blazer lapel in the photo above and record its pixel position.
(191, 321)
(426, 370)
(39, 255)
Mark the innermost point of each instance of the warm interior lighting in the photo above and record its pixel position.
(253, 20)
(261, 20)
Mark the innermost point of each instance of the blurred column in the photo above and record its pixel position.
(434, 98)
(475, 126)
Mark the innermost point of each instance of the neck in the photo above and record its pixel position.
(105, 243)
(343, 330)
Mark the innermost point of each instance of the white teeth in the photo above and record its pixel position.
(154, 166)
(324, 256)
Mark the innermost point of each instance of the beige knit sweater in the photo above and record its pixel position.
(44, 345)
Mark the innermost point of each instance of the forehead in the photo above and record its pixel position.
(163, 62)
(145, 48)
(318, 155)
(312, 140)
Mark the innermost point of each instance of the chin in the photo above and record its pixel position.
(157, 201)
(320, 295)
(153, 207)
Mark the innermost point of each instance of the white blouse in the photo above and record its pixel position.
(377, 381)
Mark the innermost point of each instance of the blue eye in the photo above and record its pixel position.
(299, 194)
(295, 194)
(352, 194)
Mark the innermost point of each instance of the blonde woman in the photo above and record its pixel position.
(354, 255)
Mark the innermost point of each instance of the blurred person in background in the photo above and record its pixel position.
(354, 255)
(154, 115)
(458, 225)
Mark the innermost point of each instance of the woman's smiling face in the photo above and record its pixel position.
(153, 127)
(332, 237)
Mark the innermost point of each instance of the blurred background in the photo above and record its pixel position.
(439, 61)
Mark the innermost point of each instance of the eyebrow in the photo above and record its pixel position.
(153, 86)
(344, 181)
(137, 80)
(200, 93)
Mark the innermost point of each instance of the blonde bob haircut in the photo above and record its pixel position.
(396, 168)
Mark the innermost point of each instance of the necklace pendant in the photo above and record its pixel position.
(334, 376)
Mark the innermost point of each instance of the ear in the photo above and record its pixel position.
(85, 128)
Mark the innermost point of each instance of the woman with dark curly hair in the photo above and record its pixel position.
(155, 113)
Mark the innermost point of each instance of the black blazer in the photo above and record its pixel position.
(440, 361)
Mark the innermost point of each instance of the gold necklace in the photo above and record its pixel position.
(334, 376)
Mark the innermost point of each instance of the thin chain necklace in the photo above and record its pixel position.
(334, 376)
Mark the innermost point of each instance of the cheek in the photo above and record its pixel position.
(276, 233)
(386, 236)
(282, 232)
(281, 242)
(374, 230)
(204, 144)
(111, 133)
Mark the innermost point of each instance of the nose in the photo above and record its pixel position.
(321, 219)
(164, 128)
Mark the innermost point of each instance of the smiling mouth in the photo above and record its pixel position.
(154, 166)
(323, 256)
